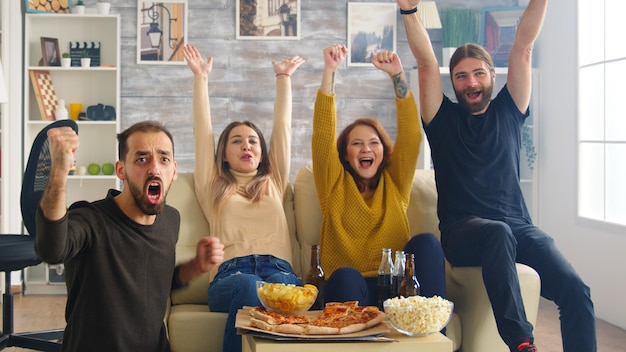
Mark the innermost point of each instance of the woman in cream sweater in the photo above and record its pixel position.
(240, 186)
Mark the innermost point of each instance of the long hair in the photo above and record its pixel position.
(472, 50)
(342, 148)
(225, 184)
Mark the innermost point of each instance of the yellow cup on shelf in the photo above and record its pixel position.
(75, 110)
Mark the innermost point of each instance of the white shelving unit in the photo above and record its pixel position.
(88, 86)
(528, 170)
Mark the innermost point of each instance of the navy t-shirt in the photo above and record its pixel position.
(476, 160)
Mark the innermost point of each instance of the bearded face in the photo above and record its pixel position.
(148, 196)
(473, 82)
(474, 100)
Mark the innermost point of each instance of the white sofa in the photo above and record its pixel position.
(192, 327)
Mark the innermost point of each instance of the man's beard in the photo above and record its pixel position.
(478, 106)
(140, 197)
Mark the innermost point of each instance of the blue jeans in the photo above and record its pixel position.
(234, 286)
(496, 246)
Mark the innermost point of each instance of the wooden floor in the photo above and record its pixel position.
(34, 312)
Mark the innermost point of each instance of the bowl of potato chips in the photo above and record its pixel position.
(286, 298)
(417, 315)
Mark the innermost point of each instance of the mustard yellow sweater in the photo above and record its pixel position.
(354, 229)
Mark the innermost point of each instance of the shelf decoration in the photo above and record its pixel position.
(50, 52)
(48, 6)
(76, 50)
(529, 146)
(44, 93)
(460, 26)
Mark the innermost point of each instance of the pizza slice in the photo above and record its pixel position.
(345, 318)
(285, 328)
(337, 318)
(273, 318)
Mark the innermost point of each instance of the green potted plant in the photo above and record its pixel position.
(66, 60)
(85, 60)
(460, 26)
(79, 7)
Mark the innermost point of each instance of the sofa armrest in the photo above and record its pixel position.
(466, 289)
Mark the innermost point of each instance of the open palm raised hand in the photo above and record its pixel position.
(288, 66)
(195, 62)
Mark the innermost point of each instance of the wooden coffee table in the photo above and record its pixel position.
(431, 343)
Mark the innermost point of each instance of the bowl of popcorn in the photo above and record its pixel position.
(417, 315)
(286, 298)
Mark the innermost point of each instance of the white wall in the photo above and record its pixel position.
(596, 251)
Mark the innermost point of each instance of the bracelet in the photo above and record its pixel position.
(408, 12)
(283, 74)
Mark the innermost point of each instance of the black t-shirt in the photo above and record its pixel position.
(476, 160)
(118, 275)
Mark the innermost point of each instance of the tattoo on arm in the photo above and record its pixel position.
(332, 84)
(400, 86)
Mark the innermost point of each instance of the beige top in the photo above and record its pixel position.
(245, 228)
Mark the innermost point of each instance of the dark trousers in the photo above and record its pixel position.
(347, 284)
(496, 246)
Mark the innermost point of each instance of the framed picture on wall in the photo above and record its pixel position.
(161, 32)
(268, 19)
(371, 28)
(498, 32)
(50, 52)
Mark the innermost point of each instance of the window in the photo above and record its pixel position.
(602, 114)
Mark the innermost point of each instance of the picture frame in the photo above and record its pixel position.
(48, 6)
(267, 19)
(371, 27)
(50, 53)
(497, 33)
(161, 32)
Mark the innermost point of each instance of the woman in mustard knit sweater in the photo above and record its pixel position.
(240, 185)
(364, 185)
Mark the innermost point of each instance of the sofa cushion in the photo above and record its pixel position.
(422, 210)
(307, 214)
(182, 196)
(192, 328)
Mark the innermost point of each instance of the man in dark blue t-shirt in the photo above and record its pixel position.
(475, 151)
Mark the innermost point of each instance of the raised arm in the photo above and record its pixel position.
(408, 139)
(389, 62)
(63, 146)
(202, 127)
(327, 167)
(280, 141)
(519, 79)
(430, 91)
(333, 57)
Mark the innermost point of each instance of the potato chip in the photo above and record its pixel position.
(286, 298)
